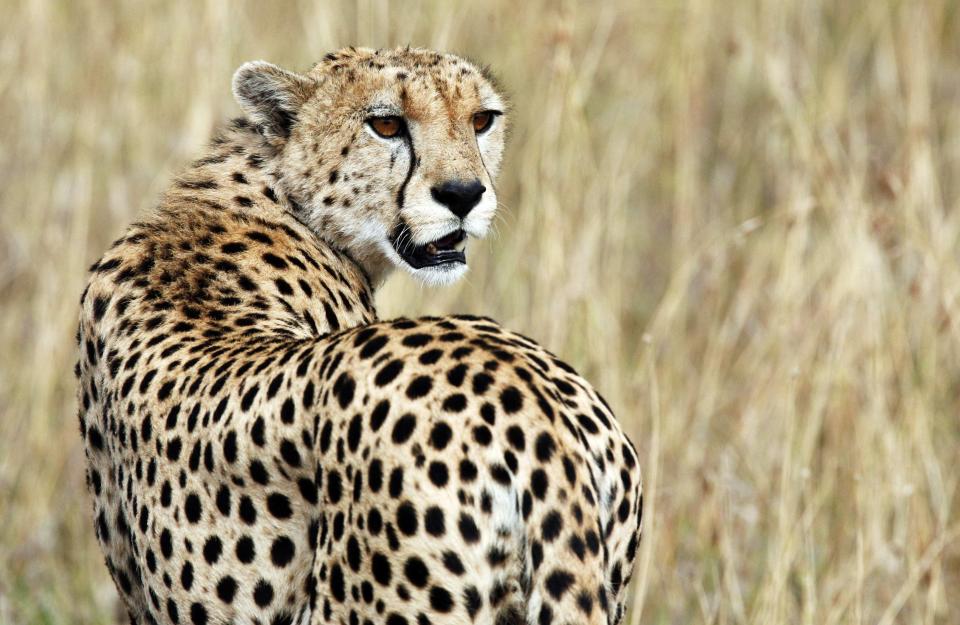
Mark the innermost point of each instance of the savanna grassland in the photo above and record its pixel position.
(738, 218)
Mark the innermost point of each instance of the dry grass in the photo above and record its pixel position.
(738, 218)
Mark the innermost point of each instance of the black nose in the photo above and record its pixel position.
(459, 196)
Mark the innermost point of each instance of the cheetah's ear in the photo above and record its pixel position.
(271, 96)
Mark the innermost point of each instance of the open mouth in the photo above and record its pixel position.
(443, 251)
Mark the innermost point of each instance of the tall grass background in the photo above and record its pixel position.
(738, 218)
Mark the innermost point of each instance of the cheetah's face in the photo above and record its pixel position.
(392, 155)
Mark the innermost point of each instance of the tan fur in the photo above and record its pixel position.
(353, 200)
(262, 450)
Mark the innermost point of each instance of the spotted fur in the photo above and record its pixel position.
(261, 449)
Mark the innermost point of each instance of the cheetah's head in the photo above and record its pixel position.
(390, 155)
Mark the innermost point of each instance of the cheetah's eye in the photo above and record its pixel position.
(387, 127)
(482, 121)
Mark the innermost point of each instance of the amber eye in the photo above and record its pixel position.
(386, 126)
(482, 121)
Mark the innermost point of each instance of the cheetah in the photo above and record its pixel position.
(262, 449)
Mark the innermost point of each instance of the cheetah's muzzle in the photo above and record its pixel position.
(443, 251)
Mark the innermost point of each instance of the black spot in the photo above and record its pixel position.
(288, 450)
(192, 508)
(546, 615)
(455, 403)
(511, 400)
(468, 528)
(354, 431)
(223, 500)
(440, 436)
(245, 550)
(577, 547)
(279, 506)
(569, 470)
(308, 490)
(248, 398)
(433, 521)
(198, 614)
(331, 316)
(165, 494)
(373, 346)
(516, 437)
(456, 375)
(344, 388)
(416, 340)
(552, 526)
(212, 549)
(334, 486)
(593, 542)
(230, 447)
(407, 518)
(100, 305)
(545, 446)
(539, 483)
(481, 382)
(500, 474)
(166, 543)
(558, 582)
(337, 586)
(287, 411)
(468, 471)
(260, 237)
(172, 417)
(234, 247)
(259, 473)
(472, 600)
(403, 428)
(226, 589)
(419, 387)
(164, 391)
(380, 566)
(396, 482)
(353, 554)
(263, 593)
(440, 599)
(438, 473)
(375, 475)
(587, 423)
(186, 576)
(431, 356)
(452, 562)
(173, 449)
(388, 372)
(248, 513)
(482, 435)
(274, 261)
(379, 414)
(282, 551)
(416, 572)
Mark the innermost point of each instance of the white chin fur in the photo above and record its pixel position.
(439, 276)
(430, 276)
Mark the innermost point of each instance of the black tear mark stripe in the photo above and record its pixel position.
(401, 194)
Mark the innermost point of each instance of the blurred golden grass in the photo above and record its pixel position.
(738, 218)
